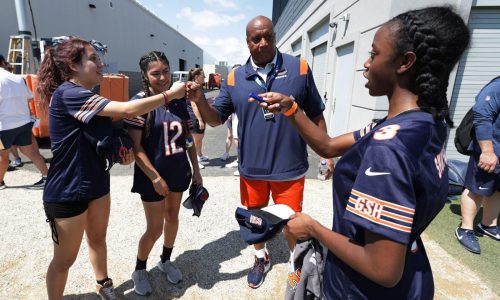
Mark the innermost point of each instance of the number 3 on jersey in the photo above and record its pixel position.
(171, 147)
(386, 133)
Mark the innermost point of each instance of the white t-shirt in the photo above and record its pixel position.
(14, 96)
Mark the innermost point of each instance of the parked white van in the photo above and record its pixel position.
(180, 76)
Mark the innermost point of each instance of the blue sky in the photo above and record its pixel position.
(217, 26)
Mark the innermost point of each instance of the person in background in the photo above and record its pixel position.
(198, 76)
(482, 181)
(76, 197)
(162, 171)
(15, 124)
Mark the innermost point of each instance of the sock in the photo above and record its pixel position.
(165, 255)
(260, 253)
(102, 281)
(140, 264)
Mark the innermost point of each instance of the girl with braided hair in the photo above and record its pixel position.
(162, 171)
(391, 181)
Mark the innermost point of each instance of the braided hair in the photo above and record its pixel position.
(438, 37)
(144, 62)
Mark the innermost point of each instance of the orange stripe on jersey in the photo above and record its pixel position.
(379, 221)
(230, 78)
(383, 202)
(303, 67)
(397, 217)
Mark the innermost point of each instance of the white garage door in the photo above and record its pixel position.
(319, 67)
(479, 64)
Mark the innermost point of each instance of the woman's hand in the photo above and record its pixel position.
(275, 102)
(128, 157)
(160, 186)
(197, 179)
(300, 227)
(177, 91)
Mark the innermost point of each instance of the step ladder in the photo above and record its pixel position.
(20, 55)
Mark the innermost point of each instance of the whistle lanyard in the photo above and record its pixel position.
(271, 78)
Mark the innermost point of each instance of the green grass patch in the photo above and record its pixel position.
(486, 265)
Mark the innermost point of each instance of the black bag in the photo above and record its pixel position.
(465, 133)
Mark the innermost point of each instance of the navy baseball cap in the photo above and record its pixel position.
(260, 225)
(197, 197)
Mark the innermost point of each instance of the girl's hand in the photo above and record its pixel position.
(161, 186)
(275, 102)
(177, 91)
(299, 226)
(197, 179)
(128, 158)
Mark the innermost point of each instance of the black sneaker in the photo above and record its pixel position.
(468, 240)
(2, 185)
(11, 168)
(40, 184)
(490, 231)
(255, 277)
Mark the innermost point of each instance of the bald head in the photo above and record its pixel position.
(259, 22)
(261, 40)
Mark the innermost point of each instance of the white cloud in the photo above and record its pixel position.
(207, 19)
(222, 3)
(230, 49)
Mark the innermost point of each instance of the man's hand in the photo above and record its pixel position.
(300, 227)
(488, 161)
(194, 91)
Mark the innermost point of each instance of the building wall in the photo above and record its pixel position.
(128, 29)
(289, 11)
(352, 25)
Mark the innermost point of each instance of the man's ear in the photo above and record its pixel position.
(407, 62)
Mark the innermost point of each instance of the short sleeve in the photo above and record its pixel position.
(82, 104)
(362, 132)
(313, 105)
(224, 104)
(382, 199)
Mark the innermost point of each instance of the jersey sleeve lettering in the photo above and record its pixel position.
(82, 104)
(362, 132)
(382, 199)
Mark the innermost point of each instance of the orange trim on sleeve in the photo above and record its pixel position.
(303, 67)
(230, 78)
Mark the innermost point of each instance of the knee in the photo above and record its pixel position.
(172, 218)
(154, 233)
(62, 264)
(97, 241)
(27, 150)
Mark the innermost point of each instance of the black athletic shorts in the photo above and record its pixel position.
(196, 127)
(19, 136)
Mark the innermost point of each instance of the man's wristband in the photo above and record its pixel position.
(292, 110)
(165, 96)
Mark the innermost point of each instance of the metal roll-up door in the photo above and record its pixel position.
(319, 67)
(478, 65)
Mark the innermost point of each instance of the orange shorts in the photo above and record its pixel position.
(255, 193)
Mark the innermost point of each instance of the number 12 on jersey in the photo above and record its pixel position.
(171, 147)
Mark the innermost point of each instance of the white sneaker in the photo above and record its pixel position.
(203, 158)
(234, 164)
(236, 173)
(174, 275)
(224, 156)
(142, 287)
(201, 166)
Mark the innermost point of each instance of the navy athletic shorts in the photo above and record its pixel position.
(19, 136)
(479, 181)
(178, 178)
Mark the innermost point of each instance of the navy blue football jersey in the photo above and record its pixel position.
(76, 172)
(392, 182)
(165, 146)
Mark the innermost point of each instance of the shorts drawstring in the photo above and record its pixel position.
(53, 228)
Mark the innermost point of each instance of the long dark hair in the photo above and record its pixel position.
(144, 62)
(55, 68)
(438, 37)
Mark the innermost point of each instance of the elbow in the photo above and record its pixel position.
(389, 279)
